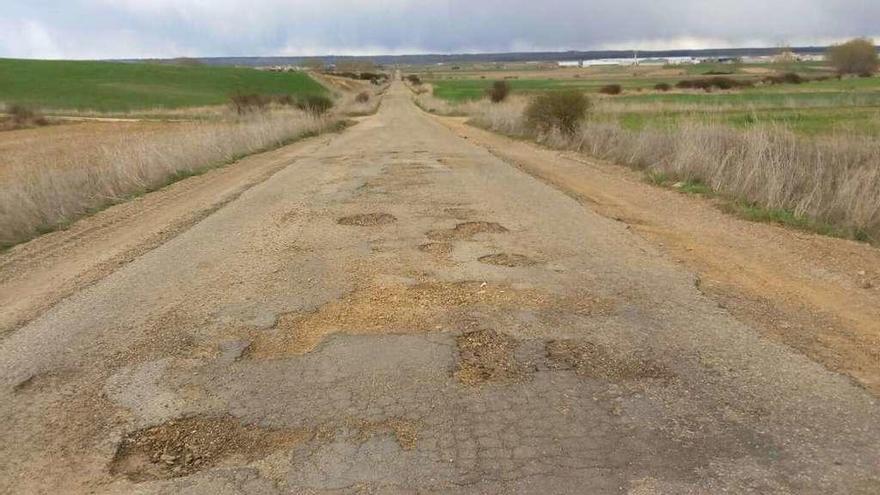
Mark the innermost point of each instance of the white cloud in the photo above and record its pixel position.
(28, 39)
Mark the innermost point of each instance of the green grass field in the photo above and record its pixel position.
(850, 105)
(119, 87)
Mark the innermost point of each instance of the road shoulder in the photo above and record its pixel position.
(816, 294)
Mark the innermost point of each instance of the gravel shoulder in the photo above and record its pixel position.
(817, 294)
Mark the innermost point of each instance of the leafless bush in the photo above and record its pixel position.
(858, 56)
(362, 97)
(20, 116)
(249, 103)
(315, 104)
(38, 199)
(708, 84)
(611, 89)
(562, 111)
(499, 91)
(663, 87)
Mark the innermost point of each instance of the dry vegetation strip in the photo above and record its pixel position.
(42, 193)
(829, 184)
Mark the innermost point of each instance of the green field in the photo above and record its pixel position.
(850, 105)
(120, 87)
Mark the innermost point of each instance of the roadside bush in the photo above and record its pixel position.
(414, 79)
(362, 97)
(249, 103)
(611, 89)
(315, 104)
(708, 84)
(858, 56)
(663, 87)
(22, 116)
(499, 91)
(787, 78)
(560, 111)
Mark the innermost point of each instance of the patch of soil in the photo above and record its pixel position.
(508, 260)
(382, 309)
(439, 249)
(184, 446)
(466, 230)
(595, 361)
(367, 220)
(487, 356)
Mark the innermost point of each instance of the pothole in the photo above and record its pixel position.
(381, 309)
(508, 260)
(466, 230)
(487, 356)
(367, 219)
(185, 446)
(595, 361)
(405, 432)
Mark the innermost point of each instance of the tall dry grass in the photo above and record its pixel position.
(831, 181)
(38, 199)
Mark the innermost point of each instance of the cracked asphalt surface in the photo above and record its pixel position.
(312, 336)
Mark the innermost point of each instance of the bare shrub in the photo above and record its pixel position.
(414, 79)
(611, 89)
(21, 116)
(36, 199)
(249, 103)
(786, 78)
(708, 84)
(858, 56)
(499, 91)
(315, 104)
(362, 97)
(561, 111)
(663, 87)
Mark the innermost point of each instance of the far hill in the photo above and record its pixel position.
(119, 87)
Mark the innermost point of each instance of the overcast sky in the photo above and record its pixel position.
(171, 28)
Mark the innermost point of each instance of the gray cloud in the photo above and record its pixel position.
(166, 28)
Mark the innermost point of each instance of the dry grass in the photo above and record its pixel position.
(830, 184)
(42, 192)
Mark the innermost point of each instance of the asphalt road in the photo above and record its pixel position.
(400, 311)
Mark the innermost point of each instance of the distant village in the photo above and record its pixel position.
(786, 56)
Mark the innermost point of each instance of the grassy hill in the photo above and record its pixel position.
(120, 87)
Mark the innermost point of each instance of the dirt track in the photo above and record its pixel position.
(395, 310)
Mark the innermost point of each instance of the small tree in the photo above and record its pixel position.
(858, 56)
(562, 111)
(499, 91)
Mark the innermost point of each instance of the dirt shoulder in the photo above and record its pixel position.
(36, 275)
(817, 294)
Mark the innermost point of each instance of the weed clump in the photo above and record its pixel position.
(611, 89)
(559, 111)
(663, 87)
(21, 116)
(315, 104)
(499, 91)
(708, 84)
